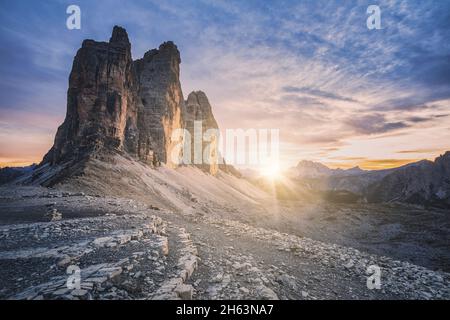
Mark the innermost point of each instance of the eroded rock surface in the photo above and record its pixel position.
(158, 74)
(117, 104)
(130, 250)
(204, 132)
(114, 256)
(101, 101)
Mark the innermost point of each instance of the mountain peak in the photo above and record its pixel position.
(168, 45)
(119, 35)
(446, 155)
(167, 51)
(355, 169)
(116, 104)
(311, 164)
(199, 98)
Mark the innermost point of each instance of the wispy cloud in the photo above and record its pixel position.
(417, 151)
(310, 68)
(374, 123)
(317, 93)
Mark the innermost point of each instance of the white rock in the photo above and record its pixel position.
(244, 290)
(266, 293)
(184, 291)
(64, 261)
(102, 241)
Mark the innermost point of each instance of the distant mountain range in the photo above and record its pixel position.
(8, 174)
(310, 169)
(425, 182)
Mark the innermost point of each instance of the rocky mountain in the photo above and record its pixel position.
(135, 109)
(102, 102)
(199, 121)
(139, 229)
(162, 110)
(199, 109)
(8, 174)
(424, 182)
(117, 105)
(311, 169)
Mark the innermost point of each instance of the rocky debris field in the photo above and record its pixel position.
(125, 249)
(116, 256)
(275, 264)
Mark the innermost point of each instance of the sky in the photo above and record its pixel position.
(338, 92)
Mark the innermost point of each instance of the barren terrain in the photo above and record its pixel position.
(186, 234)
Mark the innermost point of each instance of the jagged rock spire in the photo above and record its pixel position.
(101, 101)
(115, 104)
(119, 35)
(199, 109)
(158, 75)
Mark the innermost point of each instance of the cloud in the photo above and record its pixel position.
(373, 124)
(317, 93)
(310, 68)
(411, 102)
(424, 151)
(418, 119)
(301, 102)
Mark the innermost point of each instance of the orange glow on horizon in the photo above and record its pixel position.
(373, 164)
(369, 164)
(18, 163)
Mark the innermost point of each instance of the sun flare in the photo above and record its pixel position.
(272, 171)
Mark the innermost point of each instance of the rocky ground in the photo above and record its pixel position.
(127, 249)
(121, 249)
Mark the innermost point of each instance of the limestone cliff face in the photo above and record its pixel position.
(199, 121)
(158, 74)
(115, 104)
(101, 108)
(424, 183)
(201, 124)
